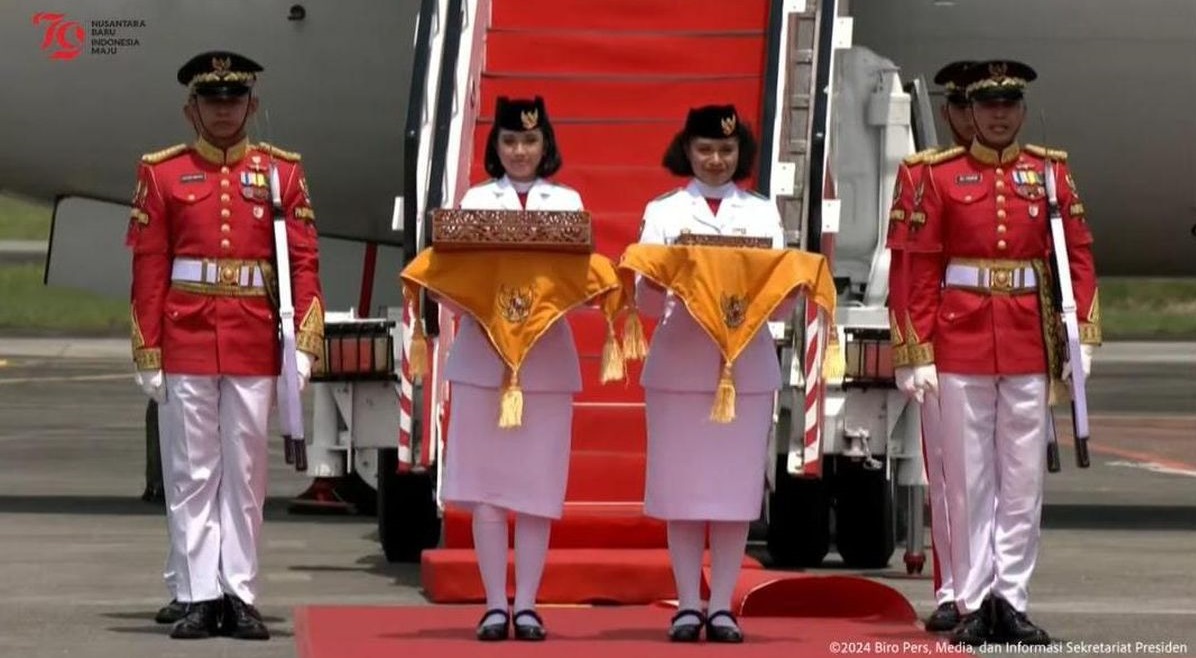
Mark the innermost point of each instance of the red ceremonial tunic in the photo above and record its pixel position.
(200, 202)
(989, 209)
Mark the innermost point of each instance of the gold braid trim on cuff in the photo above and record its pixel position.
(920, 354)
(1090, 333)
(148, 359)
(310, 342)
(900, 356)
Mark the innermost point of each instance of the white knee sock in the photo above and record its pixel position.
(531, 547)
(728, 540)
(490, 545)
(686, 541)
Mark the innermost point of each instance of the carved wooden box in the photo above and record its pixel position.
(468, 230)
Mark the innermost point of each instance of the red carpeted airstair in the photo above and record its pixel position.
(617, 77)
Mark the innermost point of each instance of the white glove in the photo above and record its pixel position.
(304, 361)
(905, 380)
(1085, 362)
(153, 383)
(926, 380)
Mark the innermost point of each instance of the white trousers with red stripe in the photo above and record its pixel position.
(994, 456)
(213, 438)
(940, 530)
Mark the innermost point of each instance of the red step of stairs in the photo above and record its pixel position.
(618, 77)
(629, 15)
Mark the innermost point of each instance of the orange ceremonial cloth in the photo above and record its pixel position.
(515, 296)
(731, 292)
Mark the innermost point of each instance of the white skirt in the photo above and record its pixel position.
(700, 470)
(523, 469)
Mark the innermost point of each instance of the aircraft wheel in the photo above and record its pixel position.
(799, 520)
(408, 521)
(864, 522)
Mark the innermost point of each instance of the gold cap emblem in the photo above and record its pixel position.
(729, 125)
(221, 65)
(530, 119)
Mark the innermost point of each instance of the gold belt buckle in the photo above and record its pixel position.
(228, 274)
(1000, 279)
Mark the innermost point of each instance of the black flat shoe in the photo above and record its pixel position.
(529, 632)
(494, 632)
(686, 632)
(727, 634)
(171, 612)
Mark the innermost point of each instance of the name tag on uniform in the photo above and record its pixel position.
(967, 179)
(193, 178)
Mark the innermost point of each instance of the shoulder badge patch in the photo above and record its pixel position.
(944, 156)
(164, 154)
(1047, 153)
(289, 156)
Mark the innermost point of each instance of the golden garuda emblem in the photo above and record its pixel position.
(729, 125)
(530, 119)
(515, 303)
(734, 310)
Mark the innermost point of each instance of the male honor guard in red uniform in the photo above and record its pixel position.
(205, 330)
(956, 111)
(976, 341)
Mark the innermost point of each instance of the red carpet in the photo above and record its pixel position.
(626, 632)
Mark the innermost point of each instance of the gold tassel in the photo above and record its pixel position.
(511, 407)
(612, 356)
(724, 397)
(417, 357)
(635, 346)
(834, 364)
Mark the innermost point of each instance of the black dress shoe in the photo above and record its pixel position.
(202, 619)
(1009, 625)
(727, 634)
(529, 632)
(242, 621)
(944, 618)
(171, 612)
(974, 629)
(493, 632)
(686, 632)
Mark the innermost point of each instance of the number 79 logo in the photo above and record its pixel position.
(63, 38)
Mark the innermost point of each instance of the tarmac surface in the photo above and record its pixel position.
(82, 555)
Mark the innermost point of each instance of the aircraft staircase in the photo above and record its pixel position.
(617, 78)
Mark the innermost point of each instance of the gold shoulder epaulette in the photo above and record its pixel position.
(919, 157)
(164, 154)
(1046, 153)
(943, 156)
(289, 156)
